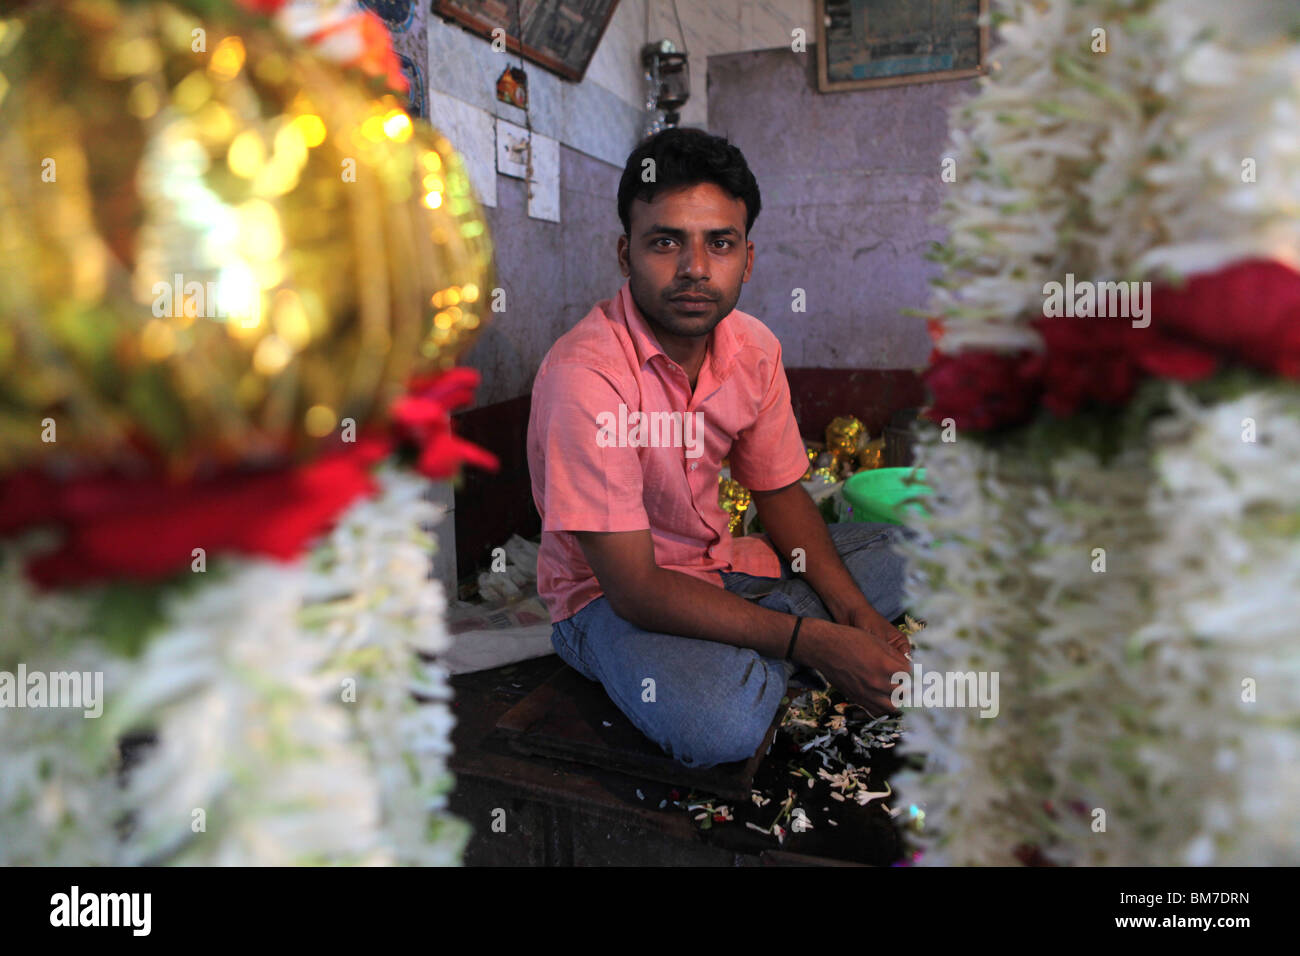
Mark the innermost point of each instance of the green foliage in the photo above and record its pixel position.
(126, 614)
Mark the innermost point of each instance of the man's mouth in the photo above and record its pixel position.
(692, 303)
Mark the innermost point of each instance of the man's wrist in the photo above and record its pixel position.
(812, 637)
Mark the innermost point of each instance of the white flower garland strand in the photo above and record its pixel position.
(1175, 150)
(1225, 626)
(1126, 734)
(281, 699)
(1089, 531)
(58, 793)
(974, 787)
(1006, 582)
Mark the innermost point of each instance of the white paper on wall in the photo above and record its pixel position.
(512, 149)
(544, 187)
(471, 132)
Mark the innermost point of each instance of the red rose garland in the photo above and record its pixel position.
(1248, 312)
(147, 527)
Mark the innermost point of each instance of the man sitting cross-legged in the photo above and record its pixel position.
(693, 634)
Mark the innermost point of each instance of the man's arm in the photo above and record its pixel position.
(670, 602)
(770, 454)
(791, 520)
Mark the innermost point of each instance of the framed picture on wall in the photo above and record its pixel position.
(867, 43)
(559, 35)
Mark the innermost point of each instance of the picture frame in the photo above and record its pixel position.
(558, 35)
(906, 50)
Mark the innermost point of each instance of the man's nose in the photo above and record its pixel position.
(693, 263)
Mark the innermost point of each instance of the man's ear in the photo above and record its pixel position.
(749, 261)
(623, 248)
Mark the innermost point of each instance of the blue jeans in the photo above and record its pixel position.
(704, 702)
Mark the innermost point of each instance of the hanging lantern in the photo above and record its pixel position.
(668, 81)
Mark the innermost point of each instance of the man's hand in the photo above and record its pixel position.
(866, 618)
(859, 659)
(861, 651)
(859, 664)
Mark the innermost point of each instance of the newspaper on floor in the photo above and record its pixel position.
(491, 635)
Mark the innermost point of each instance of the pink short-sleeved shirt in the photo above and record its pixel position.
(618, 442)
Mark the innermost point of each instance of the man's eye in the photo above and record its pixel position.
(656, 242)
(724, 242)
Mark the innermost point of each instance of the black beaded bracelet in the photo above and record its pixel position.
(789, 654)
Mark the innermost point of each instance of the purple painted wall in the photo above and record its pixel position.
(850, 182)
(552, 272)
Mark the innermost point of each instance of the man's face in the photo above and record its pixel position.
(687, 257)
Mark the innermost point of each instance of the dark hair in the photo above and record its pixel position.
(684, 157)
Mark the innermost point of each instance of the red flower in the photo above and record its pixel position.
(424, 414)
(265, 7)
(375, 54)
(379, 58)
(1249, 310)
(1183, 361)
(1086, 360)
(983, 390)
(1102, 360)
(935, 328)
(147, 528)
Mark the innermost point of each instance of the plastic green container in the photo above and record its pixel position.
(885, 494)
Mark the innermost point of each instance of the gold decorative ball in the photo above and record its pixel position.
(844, 436)
(216, 247)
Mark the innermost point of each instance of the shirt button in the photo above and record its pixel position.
(694, 465)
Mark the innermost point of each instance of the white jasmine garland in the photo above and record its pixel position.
(976, 786)
(1228, 562)
(1123, 736)
(1128, 164)
(279, 697)
(58, 797)
(1122, 690)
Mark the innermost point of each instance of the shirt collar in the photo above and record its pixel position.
(724, 343)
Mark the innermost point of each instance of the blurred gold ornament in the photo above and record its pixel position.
(733, 498)
(844, 436)
(219, 253)
(871, 455)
